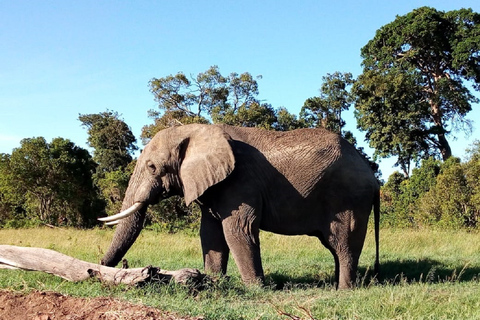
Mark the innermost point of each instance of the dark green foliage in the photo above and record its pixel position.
(49, 182)
(113, 144)
(413, 91)
(111, 138)
(287, 121)
(112, 186)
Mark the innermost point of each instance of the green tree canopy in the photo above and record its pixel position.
(414, 87)
(111, 138)
(51, 181)
(326, 109)
(212, 97)
(113, 143)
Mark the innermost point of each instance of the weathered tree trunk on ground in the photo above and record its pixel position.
(71, 269)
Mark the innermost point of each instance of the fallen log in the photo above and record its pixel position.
(72, 269)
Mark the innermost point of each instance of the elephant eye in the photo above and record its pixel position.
(151, 166)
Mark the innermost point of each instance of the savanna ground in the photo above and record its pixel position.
(426, 274)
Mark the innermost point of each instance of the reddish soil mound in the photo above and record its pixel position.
(53, 306)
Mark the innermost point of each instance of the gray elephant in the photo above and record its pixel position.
(302, 182)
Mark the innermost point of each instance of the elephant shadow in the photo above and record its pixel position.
(394, 272)
(426, 271)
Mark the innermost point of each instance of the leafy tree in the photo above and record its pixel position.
(11, 200)
(112, 186)
(472, 175)
(455, 199)
(413, 89)
(113, 143)
(389, 195)
(53, 181)
(326, 110)
(401, 196)
(212, 97)
(111, 138)
(447, 204)
(287, 121)
(251, 115)
(172, 214)
(444, 194)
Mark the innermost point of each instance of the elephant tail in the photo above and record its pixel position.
(376, 218)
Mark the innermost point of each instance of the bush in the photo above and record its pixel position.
(445, 194)
(400, 194)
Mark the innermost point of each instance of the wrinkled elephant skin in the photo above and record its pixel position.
(302, 182)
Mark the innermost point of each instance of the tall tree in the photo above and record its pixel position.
(113, 143)
(414, 87)
(111, 138)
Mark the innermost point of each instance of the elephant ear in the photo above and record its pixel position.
(207, 159)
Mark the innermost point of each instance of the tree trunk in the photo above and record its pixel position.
(71, 269)
(444, 146)
(445, 149)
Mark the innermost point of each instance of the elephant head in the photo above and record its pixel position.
(184, 161)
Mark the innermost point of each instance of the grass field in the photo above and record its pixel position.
(426, 274)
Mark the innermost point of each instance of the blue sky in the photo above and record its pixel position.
(59, 59)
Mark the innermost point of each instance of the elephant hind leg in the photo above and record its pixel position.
(346, 263)
(345, 242)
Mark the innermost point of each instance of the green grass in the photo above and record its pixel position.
(426, 274)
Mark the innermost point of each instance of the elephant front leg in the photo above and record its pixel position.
(214, 247)
(242, 235)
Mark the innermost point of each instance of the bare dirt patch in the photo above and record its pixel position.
(52, 306)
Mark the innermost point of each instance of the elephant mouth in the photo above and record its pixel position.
(115, 219)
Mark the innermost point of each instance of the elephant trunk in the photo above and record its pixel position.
(126, 231)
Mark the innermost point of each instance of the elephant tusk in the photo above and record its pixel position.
(128, 212)
(112, 223)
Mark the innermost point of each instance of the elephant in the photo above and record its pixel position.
(299, 182)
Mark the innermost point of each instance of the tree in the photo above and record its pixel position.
(287, 121)
(401, 196)
(11, 200)
(113, 143)
(112, 186)
(413, 90)
(326, 110)
(247, 115)
(448, 203)
(212, 97)
(111, 138)
(53, 180)
(472, 174)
